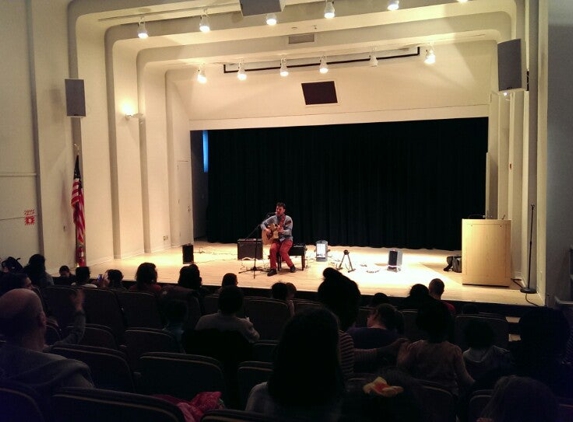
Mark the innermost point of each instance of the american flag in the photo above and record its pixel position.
(78, 206)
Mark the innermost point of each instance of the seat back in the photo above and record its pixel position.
(499, 326)
(181, 375)
(302, 304)
(98, 335)
(232, 415)
(59, 303)
(438, 403)
(143, 340)
(140, 309)
(363, 313)
(211, 304)
(53, 332)
(95, 405)
(19, 403)
(186, 295)
(264, 350)
(477, 403)
(411, 329)
(102, 307)
(109, 368)
(565, 409)
(249, 374)
(268, 316)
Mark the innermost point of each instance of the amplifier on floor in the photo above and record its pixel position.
(187, 253)
(247, 248)
(394, 260)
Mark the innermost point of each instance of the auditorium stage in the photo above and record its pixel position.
(370, 271)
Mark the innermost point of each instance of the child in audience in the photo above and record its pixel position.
(83, 278)
(279, 291)
(435, 359)
(175, 312)
(483, 356)
(146, 279)
(115, 278)
(229, 279)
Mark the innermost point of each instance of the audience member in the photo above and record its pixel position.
(64, 272)
(279, 291)
(229, 279)
(435, 359)
(342, 296)
(380, 328)
(291, 291)
(22, 358)
(114, 279)
(83, 278)
(378, 299)
(418, 298)
(190, 278)
(436, 290)
(230, 302)
(521, 399)
(306, 383)
(12, 265)
(146, 279)
(11, 281)
(483, 356)
(36, 270)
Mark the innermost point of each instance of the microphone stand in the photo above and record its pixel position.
(346, 255)
(529, 289)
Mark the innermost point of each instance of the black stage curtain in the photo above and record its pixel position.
(400, 184)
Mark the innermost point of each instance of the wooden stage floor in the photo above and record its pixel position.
(370, 271)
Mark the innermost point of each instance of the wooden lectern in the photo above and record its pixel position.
(486, 252)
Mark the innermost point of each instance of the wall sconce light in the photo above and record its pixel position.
(142, 30)
(373, 60)
(139, 116)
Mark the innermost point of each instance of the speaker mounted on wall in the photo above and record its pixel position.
(319, 93)
(511, 71)
(75, 98)
(261, 7)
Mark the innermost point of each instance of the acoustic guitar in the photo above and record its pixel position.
(268, 238)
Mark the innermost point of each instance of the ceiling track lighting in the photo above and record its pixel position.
(323, 65)
(241, 74)
(463, 1)
(142, 30)
(393, 4)
(271, 19)
(204, 23)
(373, 62)
(430, 56)
(329, 11)
(201, 77)
(284, 69)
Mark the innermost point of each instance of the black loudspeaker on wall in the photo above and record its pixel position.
(511, 74)
(261, 7)
(75, 98)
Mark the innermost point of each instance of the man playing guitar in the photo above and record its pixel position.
(278, 230)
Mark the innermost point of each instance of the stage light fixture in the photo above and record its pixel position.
(329, 11)
(393, 4)
(373, 60)
(142, 30)
(430, 56)
(284, 68)
(271, 19)
(204, 23)
(201, 77)
(241, 74)
(323, 65)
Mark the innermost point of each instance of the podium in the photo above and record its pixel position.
(486, 252)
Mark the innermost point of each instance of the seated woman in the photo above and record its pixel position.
(306, 383)
(146, 279)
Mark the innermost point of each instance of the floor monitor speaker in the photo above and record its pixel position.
(75, 98)
(394, 260)
(187, 253)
